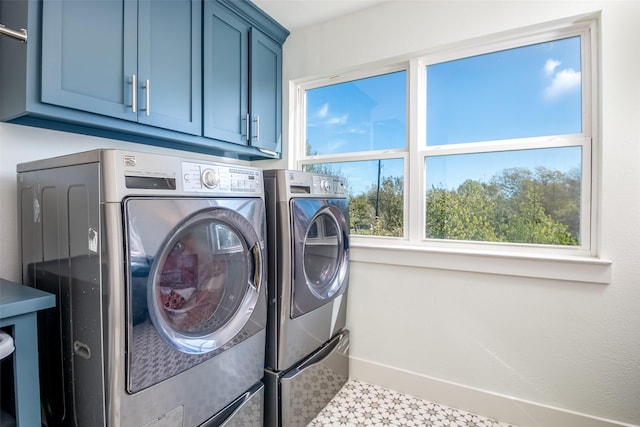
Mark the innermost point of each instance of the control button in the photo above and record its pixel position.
(210, 178)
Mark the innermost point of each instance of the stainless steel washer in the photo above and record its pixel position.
(307, 340)
(158, 265)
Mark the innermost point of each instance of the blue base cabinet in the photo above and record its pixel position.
(134, 71)
(18, 311)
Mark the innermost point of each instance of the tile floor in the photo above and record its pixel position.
(359, 404)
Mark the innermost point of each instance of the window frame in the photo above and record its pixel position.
(416, 152)
(585, 139)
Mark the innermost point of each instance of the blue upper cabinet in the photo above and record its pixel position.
(226, 74)
(87, 72)
(133, 70)
(242, 76)
(136, 61)
(266, 93)
(170, 64)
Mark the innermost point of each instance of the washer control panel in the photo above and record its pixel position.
(217, 178)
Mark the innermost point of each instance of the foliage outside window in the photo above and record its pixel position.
(376, 208)
(504, 150)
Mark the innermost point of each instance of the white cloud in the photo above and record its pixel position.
(335, 145)
(563, 82)
(324, 117)
(337, 120)
(357, 131)
(323, 111)
(550, 66)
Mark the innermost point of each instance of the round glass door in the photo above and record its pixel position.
(324, 253)
(205, 281)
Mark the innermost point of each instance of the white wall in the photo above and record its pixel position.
(571, 346)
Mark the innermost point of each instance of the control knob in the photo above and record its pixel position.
(325, 185)
(210, 178)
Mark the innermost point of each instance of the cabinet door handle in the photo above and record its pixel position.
(147, 90)
(18, 35)
(134, 87)
(257, 135)
(247, 121)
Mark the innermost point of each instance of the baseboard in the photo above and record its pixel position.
(502, 408)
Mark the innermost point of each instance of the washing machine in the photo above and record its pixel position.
(307, 340)
(158, 265)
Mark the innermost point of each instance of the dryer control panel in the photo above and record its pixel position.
(217, 178)
(310, 184)
(329, 185)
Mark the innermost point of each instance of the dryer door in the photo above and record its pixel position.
(195, 282)
(205, 281)
(320, 252)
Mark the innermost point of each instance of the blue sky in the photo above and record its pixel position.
(532, 91)
(525, 92)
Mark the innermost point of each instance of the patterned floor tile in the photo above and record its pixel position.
(359, 404)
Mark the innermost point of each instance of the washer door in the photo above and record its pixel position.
(205, 281)
(321, 252)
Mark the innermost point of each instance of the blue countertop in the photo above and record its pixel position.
(16, 299)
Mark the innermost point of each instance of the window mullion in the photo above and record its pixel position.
(414, 185)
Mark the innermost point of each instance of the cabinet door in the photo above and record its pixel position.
(89, 55)
(169, 65)
(266, 92)
(226, 69)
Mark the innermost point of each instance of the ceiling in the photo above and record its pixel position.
(293, 14)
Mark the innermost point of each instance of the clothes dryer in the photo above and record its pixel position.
(307, 340)
(159, 269)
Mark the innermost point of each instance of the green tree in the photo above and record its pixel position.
(361, 215)
(533, 225)
(465, 214)
(517, 205)
(379, 211)
(557, 193)
(389, 201)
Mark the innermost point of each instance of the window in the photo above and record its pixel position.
(364, 119)
(496, 141)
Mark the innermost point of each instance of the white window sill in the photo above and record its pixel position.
(553, 267)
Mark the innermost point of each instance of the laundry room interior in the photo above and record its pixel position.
(434, 329)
